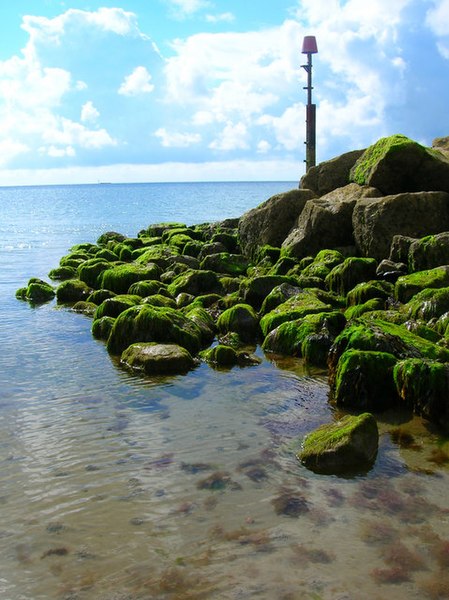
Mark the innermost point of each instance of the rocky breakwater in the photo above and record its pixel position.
(349, 272)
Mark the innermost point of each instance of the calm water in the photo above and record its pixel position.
(106, 486)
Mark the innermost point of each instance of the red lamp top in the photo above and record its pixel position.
(309, 45)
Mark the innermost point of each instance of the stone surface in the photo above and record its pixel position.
(157, 359)
(348, 445)
(271, 221)
(377, 220)
(330, 174)
(326, 222)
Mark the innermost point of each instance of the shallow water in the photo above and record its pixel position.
(117, 487)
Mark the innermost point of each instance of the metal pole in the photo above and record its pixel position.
(310, 118)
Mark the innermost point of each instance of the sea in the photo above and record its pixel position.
(120, 487)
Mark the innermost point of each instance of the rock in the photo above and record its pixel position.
(120, 278)
(442, 145)
(310, 337)
(364, 380)
(147, 287)
(63, 273)
(397, 164)
(255, 290)
(241, 319)
(36, 292)
(279, 295)
(353, 270)
(348, 445)
(203, 321)
(331, 174)
(369, 290)
(112, 307)
(271, 221)
(428, 304)
(157, 359)
(409, 285)
(423, 386)
(357, 310)
(223, 262)
(326, 222)
(390, 271)
(72, 290)
(221, 356)
(160, 300)
(377, 220)
(145, 323)
(99, 296)
(109, 236)
(399, 249)
(101, 328)
(296, 307)
(195, 282)
(429, 252)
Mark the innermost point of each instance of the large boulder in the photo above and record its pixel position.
(377, 220)
(409, 285)
(348, 445)
(442, 145)
(271, 221)
(429, 252)
(330, 174)
(326, 222)
(398, 164)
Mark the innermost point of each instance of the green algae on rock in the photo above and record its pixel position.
(346, 275)
(241, 319)
(296, 307)
(347, 446)
(37, 291)
(101, 328)
(409, 285)
(428, 304)
(157, 359)
(119, 278)
(112, 307)
(72, 290)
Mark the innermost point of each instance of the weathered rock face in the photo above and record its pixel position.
(429, 252)
(348, 445)
(157, 359)
(331, 174)
(442, 145)
(271, 222)
(398, 164)
(326, 222)
(377, 220)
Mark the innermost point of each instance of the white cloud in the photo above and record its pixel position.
(176, 139)
(57, 152)
(184, 8)
(226, 17)
(438, 17)
(138, 82)
(233, 137)
(10, 148)
(89, 112)
(263, 147)
(288, 127)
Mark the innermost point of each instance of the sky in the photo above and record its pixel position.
(211, 90)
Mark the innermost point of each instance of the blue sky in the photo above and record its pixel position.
(182, 90)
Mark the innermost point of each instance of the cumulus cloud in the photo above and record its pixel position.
(186, 8)
(438, 21)
(89, 112)
(226, 17)
(233, 137)
(177, 139)
(138, 82)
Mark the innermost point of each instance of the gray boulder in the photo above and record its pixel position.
(399, 249)
(429, 252)
(157, 359)
(377, 220)
(398, 164)
(330, 174)
(349, 444)
(272, 220)
(442, 145)
(326, 222)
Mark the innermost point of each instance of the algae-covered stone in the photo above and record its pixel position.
(120, 278)
(428, 304)
(72, 290)
(157, 359)
(398, 164)
(146, 287)
(37, 291)
(204, 321)
(364, 380)
(145, 323)
(223, 262)
(409, 285)
(113, 307)
(354, 312)
(255, 290)
(279, 295)
(85, 308)
(101, 328)
(221, 356)
(195, 282)
(295, 338)
(241, 319)
(423, 386)
(296, 307)
(63, 272)
(109, 236)
(99, 296)
(348, 445)
(429, 252)
(369, 290)
(90, 270)
(349, 273)
(159, 300)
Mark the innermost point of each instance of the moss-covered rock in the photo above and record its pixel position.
(255, 290)
(241, 319)
(223, 262)
(310, 337)
(120, 278)
(157, 359)
(101, 328)
(364, 380)
(90, 270)
(369, 290)
(145, 323)
(195, 282)
(349, 273)
(159, 254)
(113, 307)
(409, 285)
(85, 308)
(110, 236)
(354, 312)
(37, 291)
(204, 322)
(348, 445)
(429, 252)
(72, 290)
(428, 304)
(279, 295)
(296, 307)
(148, 288)
(99, 296)
(159, 300)
(62, 273)
(107, 255)
(423, 386)
(221, 356)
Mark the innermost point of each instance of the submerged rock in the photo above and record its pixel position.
(157, 359)
(349, 445)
